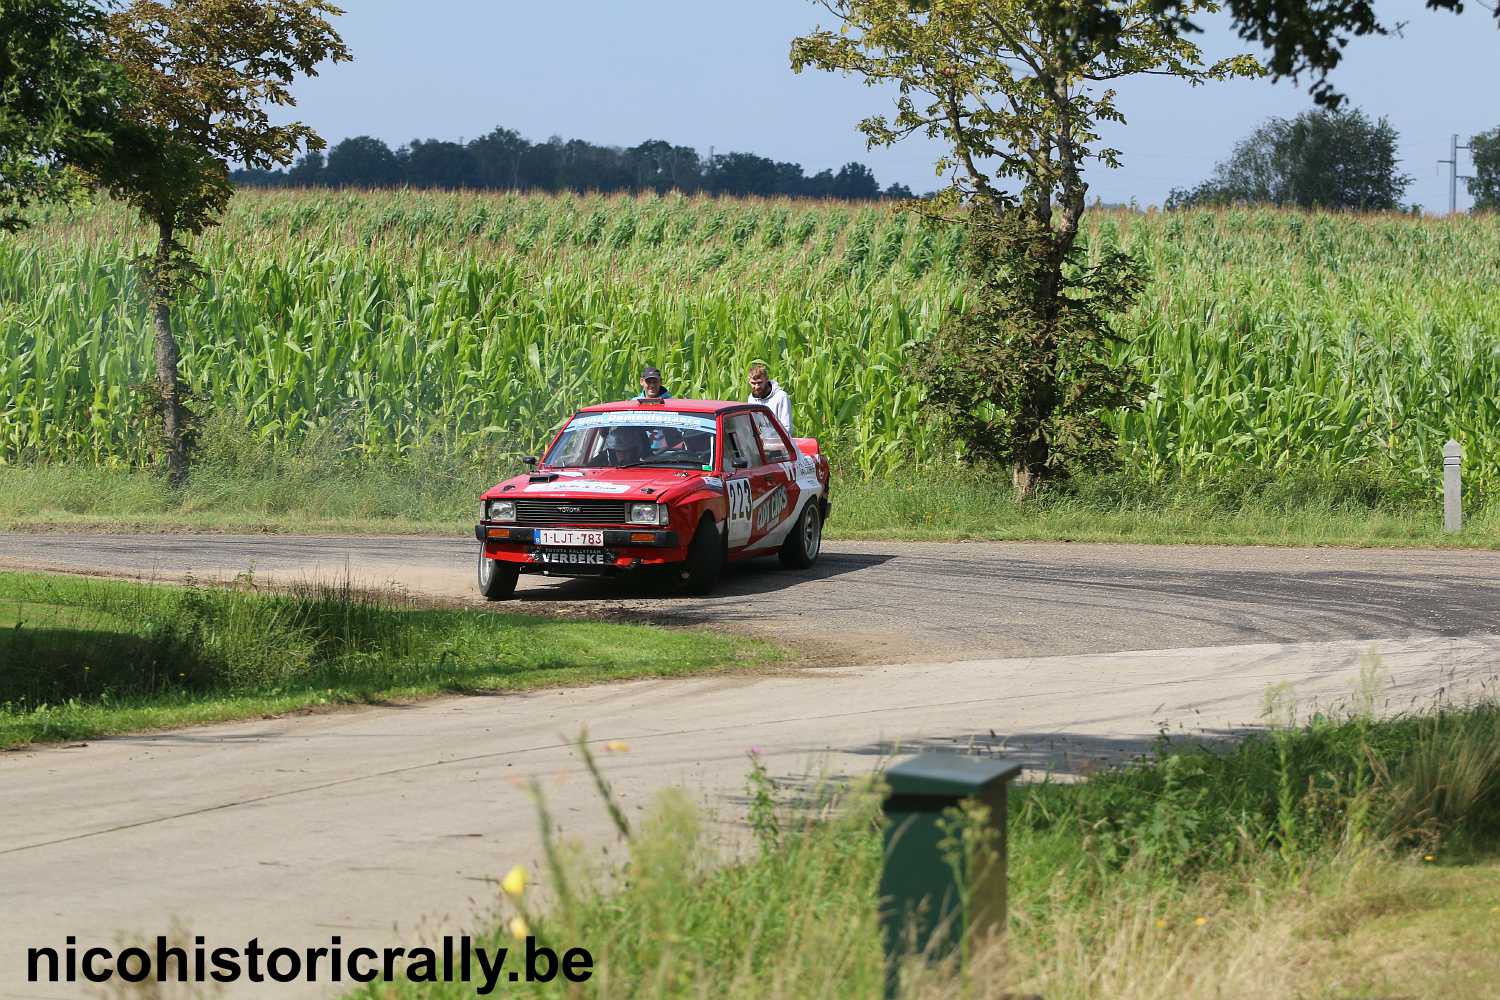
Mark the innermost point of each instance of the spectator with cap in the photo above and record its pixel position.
(651, 387)
(764, 390)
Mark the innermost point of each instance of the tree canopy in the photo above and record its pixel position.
(201, 73)
(57, 93)
(502, 159)
(1485, 184)
(1330, 159)
(1007, 96)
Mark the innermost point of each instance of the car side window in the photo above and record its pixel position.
(771, 440)
(739, 434)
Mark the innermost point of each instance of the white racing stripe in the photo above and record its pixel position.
(583, 487)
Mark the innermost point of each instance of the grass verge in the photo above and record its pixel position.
(317, 493)
(1347, 858)
(82, 658)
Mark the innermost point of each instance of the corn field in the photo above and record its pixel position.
(474, 323)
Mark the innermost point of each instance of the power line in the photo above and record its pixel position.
(1453, 174)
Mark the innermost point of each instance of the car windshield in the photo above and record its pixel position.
(631, 438)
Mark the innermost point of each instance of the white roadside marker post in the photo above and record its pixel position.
(1453, 487)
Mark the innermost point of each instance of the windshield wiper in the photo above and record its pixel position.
(658, 460)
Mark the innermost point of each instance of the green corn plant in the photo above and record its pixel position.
(1270, 341)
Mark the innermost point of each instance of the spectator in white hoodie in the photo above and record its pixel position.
(764, 390)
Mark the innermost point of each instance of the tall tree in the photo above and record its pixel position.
(539, 163)
(201, 75)
(657, 165)
(743, 174)
(311, 170)
(497, 158)
(854, 182)
(434, 163)
(1016, 102)
(57, 93)
(1485, 184)
(1333, 159)
(362, 161)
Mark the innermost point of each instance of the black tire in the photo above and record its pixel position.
(497, 580)
(805, 540)
(705, 560)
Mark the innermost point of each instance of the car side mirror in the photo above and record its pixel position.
(529, 460)
(741, 463)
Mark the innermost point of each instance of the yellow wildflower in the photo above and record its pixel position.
(514, 882)
(518, 928)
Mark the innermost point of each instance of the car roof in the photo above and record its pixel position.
(666, 405)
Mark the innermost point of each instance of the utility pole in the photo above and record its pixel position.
(1452, 162)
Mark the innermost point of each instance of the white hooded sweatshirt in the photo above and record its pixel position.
(780, 404)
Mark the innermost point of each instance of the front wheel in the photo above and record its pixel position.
(800, 550)
(705, 559)
(497, 580)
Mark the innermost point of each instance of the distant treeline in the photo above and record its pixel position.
(505, 160)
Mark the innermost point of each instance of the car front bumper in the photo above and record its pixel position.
(614, 538)
(624, 549)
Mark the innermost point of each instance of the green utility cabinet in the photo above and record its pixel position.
(920, 901)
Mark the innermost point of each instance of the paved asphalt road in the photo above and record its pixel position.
(388, 825)
(890, 601)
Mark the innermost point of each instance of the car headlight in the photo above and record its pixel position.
(648, 513)
(500, 510)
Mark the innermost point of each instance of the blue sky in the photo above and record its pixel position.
(709, 73)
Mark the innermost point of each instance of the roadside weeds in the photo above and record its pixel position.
(1323, 859)
(87, 657)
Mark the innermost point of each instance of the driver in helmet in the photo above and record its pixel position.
(624, 446)
(697, 442)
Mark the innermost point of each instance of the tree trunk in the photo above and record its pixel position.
(1033, 447)
(167, 385)
(1026, 471)
(1031, 444)
(1030, 466)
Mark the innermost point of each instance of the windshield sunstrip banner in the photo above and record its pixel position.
(633, 418)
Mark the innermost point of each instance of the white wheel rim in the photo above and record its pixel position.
(486, 569)
(812, 532)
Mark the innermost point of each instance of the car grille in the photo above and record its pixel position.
(548, 512)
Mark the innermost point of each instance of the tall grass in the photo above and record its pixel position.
(1194, 872)
(83, 657)
(1272, 341)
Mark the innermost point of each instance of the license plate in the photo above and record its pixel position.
(554, 536)
(575, 557)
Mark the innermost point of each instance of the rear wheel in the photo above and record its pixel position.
(497, 580)
(800, 550)
(705, 559)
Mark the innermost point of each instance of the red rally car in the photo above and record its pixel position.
(686, 483)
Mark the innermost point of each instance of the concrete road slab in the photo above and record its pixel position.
(388, 826)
